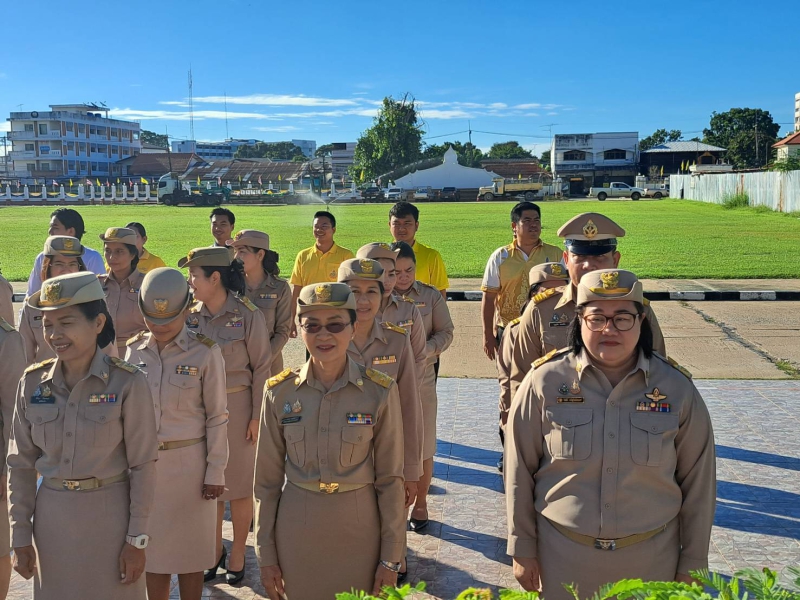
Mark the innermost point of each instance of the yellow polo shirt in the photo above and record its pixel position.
(430, 266)
(149, 261)
(315, 266)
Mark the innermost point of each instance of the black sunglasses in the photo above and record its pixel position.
(330, 327)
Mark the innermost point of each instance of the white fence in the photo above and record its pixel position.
(89, 193)
(779, 191)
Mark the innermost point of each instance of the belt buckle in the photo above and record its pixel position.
(162, 446)
(72, 485)
(329, 488)
(605, 544)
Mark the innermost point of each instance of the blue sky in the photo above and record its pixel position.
(318, 70)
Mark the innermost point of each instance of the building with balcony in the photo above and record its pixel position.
(226, 150)
(342, 160)
(592, 159)
(70, 140)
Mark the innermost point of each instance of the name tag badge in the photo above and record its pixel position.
(653, 407)
(359, 419)
(133, 291)
(407, 323)
(384, 360)
(561, 320)
(235, 322)
(268, 296)
(102, 398)
(287, 420)
(419, 304)
(575, 399)
(186, 370)
(193, 322)
(43, 395)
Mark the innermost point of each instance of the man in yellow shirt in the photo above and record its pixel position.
(403, 224)
(147, 260)
(319, 263)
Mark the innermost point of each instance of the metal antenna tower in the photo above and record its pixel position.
(191, 105)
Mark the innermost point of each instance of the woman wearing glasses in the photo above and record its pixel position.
(332, 430)
(610, 467)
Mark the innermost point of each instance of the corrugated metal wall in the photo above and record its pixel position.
(779, 191)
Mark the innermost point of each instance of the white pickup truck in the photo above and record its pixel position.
(616, 190)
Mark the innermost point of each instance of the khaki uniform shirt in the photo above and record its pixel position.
(586, 456)
(435, 316)
(6, 301)
(351, 433)
(187, 381)
(544, 326)
(123, 305)
(504, 356)
(240, 330)
(12, 357)
(274, 298)
(389, 351)
(101, 428)
(404, 313)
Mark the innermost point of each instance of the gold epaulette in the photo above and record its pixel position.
(5, 325)
(543, 295)
(645, 301)
(203, 339)
(513, 322)
(685, 372)
(39, 365)
(379, 377)
(407, 299)
(195, 306)
(124, 365)
(135, 338)
(282, 376)
(393, 327)
(540, 361)
(248, 303)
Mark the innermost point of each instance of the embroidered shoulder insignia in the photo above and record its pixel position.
(407, 299)
(205, 340)
(248, 303)
(282, 376)
(44, 363)
(543, 295)
(513, 322)
(118, 362)
(645, 301)
(379, 377)
(195, 306)
(540, 361)
(685, 372)
(5, 325)
(135, 338)
(393, 327)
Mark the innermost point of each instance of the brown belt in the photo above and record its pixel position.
(179, 444)
(605, 544)
(238, 388)
(330, 488)
(80, 485)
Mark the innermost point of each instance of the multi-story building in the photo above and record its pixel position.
(797, 111)
(342, 159)
(70, 140)
(226, 150)
(592, 159)
(307, 146)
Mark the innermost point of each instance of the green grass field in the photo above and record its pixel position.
(665, 239)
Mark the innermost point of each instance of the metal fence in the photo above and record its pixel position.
(778, 191)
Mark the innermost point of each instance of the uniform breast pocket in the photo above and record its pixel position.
(295, 443)
(184, 391)
(106, 424)
(229, 339)
(44, 427)
(652, 438)
(570, 436)
(356, 444)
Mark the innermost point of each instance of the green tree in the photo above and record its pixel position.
(468, 154)
(791, 163)
(510, 149)
(394, 140)
(747, 134)
(322, 150)
(151, 137)
(274, 150)
(660, 136)
(544, 159)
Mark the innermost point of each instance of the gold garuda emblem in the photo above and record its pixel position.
(323, 293)
(385, 246)
(590, 229)
(161, 305)
(238, 236)
(610, 280)
(112, 233)
(69, 245)
(366, 266)
(191, 254)
(51, 292)
(556, 270)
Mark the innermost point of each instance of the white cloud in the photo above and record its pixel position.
(275, 100)
(279, 129)
(180, 103)
(5, 126)
(445, 114)
(199, 115)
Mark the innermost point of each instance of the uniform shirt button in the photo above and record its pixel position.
(569, 422)
(654, 428)
(323, 461)
(611, 435)
(613, 403)
(102, 418)
(72, 405)
(69, 434)
(38, 419)
(322, 429)
(609, 470)
(608, 506)
(66, 461)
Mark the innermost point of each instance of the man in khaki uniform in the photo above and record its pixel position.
(610, 472)
(590, 241)
(6, 301)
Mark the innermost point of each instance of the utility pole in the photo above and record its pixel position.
(757, 161)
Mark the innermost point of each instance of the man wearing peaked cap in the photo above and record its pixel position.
(590, 242)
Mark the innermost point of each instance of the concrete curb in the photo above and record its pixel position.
(727, 296)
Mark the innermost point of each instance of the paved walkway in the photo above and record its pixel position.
(758, 511)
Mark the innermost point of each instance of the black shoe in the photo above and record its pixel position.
(417, 525)
(211, 573)
(402, 576)
(500, 464)
(234, 577)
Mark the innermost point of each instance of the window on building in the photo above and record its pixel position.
(615, 154)
(102, 148)
(71, 165)
(126, 152)
(114, 132)
(29, 127)
(83, 166)
(93, 148)
(574, 155)
(102, 167)
(42, 128)
(101, 131)
(82, 148)
(31, 167)
(114, 149)
(45, 166)
(81, 127)
(29, 148)
(71, 146)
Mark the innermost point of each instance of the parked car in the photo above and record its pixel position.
(657, 191)
(423, 193)
(616, 189)
(450, 194)
(373, 194)
(394, 194)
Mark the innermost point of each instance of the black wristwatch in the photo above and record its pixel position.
(394, 567)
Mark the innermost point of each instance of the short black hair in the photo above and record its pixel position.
(645, 343)
(70, 218)
(223, 212)
(324, 213)
(138, 227)
(90, 310)
(521, 207)
(401, 210)
(406, 251)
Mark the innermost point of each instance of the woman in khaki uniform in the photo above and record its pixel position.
(84, 421)
(266, 290)
(121, 284)
(610, 468)
(186, 374)
(225, 315)
(331, 430)
(12, 364)
(439, 332)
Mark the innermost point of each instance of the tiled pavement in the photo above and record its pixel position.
(758, 512)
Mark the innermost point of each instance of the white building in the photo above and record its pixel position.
(342, 159)
(226, 150)
(307, 146)
(592, 159)
(447, 174)
(70, 140)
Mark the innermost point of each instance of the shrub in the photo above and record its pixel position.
(740, 200)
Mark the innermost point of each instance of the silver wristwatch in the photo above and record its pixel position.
(138, 541)
(394, 567)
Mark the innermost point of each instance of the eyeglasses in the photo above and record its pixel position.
(330, 327)
(621, 321)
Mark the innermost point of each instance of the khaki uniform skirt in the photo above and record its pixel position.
(563, 561)
(183, 523)
(427, 392)
(327, 543)
(79, 537)
(240, 472)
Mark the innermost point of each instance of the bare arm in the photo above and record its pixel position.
(487, 321)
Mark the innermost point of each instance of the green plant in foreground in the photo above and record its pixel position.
(739, 200)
